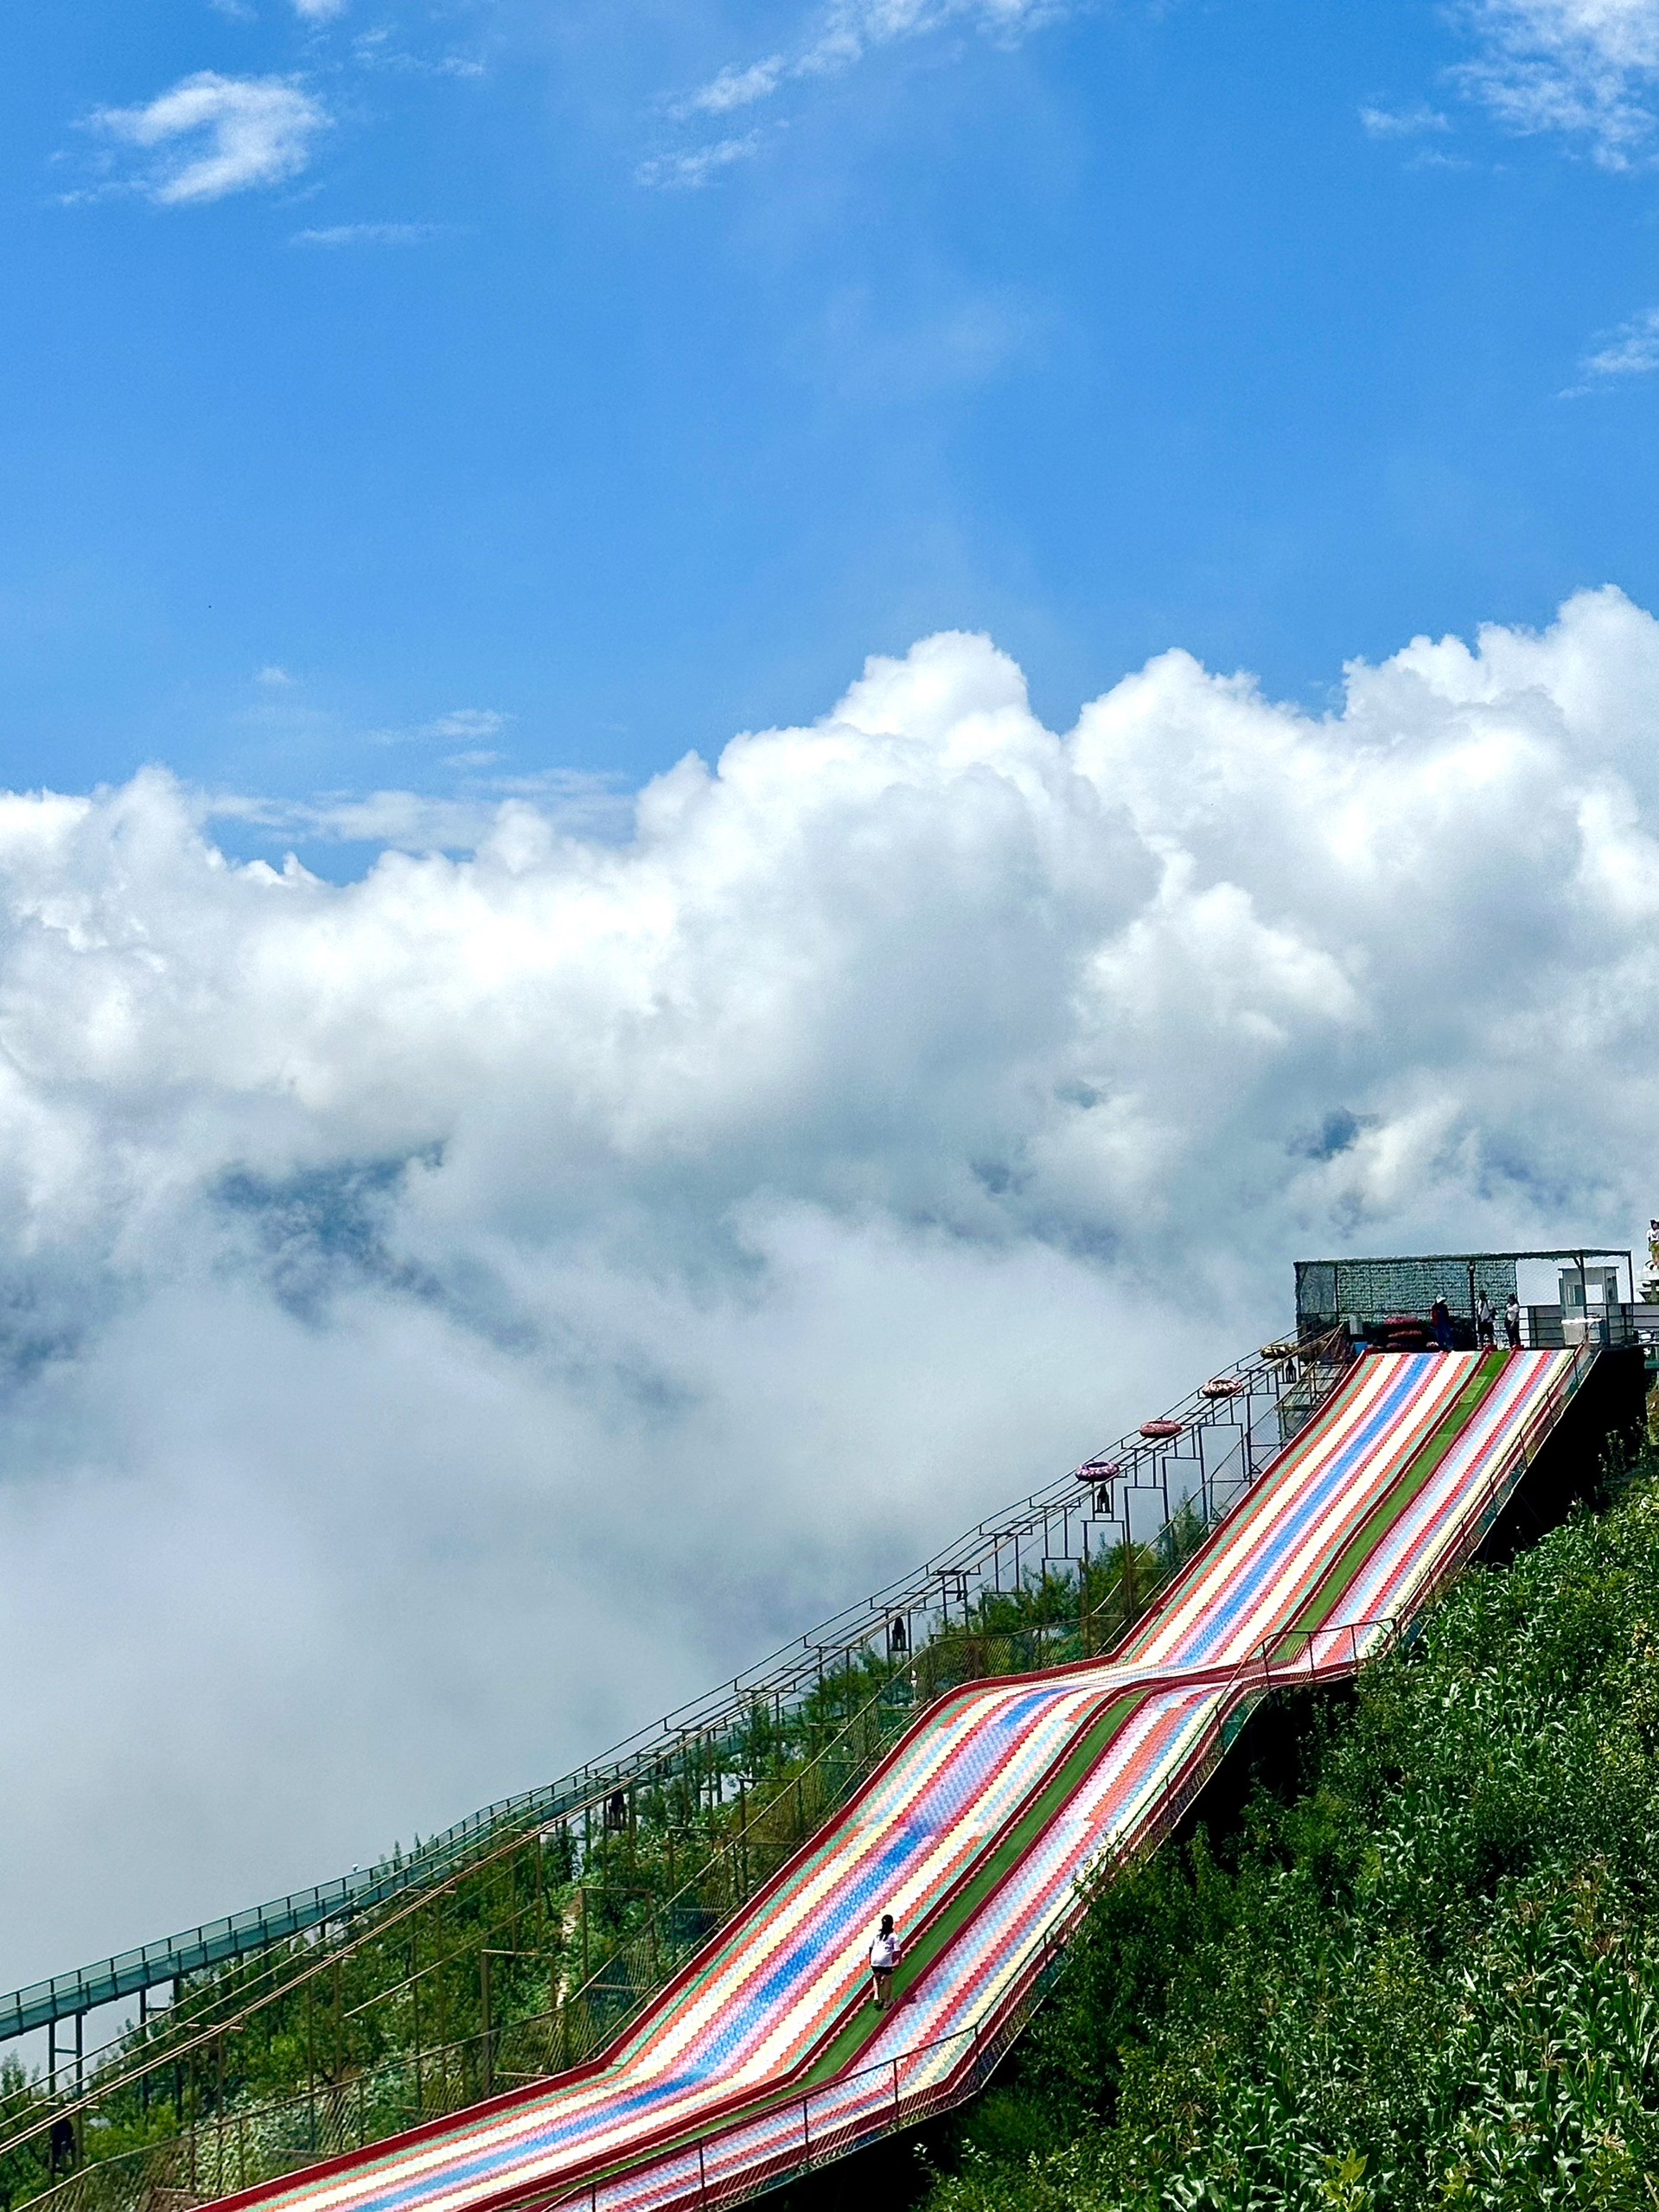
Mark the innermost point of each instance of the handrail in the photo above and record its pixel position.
(208, 2037)
(782, 1673)
(989, 2034)
(983, 2040)
(1300, 1651)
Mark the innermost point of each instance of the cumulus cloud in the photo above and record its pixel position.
(1587, 67)
(446, 1317)
(213, 135)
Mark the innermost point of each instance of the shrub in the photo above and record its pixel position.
(1430, 1977)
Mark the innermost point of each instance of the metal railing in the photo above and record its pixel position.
(1216, 1442)
(1557, 1329)
(860, 2109)
(1202, 1454)
(1211, 1456)
(231, 2147)
(756, 2152)
(232, 2151)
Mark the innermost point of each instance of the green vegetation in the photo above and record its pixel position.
(1429, 1977)
(533, 1956)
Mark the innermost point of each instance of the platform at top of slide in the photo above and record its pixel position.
(976, 1829)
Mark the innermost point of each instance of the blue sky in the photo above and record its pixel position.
(590, 1218)
(514, 386)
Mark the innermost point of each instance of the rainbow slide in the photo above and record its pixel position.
(765, 2055)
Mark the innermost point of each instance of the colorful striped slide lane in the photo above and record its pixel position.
(920, 2045)
(1270, 1554)
(974, 1832)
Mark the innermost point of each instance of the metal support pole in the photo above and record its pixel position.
(414, 2008)
(483, 2007)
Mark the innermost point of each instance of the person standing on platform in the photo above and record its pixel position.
(1512, 1321)
(1440, 1320)
(1485, 1322)
(884, 1957)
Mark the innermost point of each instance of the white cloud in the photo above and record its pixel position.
(445, 1316)
(470, 721)
(687, 172)
(853, 28)
(736, 87)
(842, 35)
(274, 677)
(374, 234)
(1587, 67)
(1631, 350)
(381, 48)
(320, 11)
(409, 821)
(215, 135)
(1402, 123)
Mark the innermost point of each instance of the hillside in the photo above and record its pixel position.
(1429, 1976)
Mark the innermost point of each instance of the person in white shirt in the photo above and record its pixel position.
(884, 1957)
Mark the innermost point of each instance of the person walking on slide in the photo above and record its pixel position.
(884, 1957)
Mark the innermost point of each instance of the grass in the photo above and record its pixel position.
(526, 1961)
(1427, 1976)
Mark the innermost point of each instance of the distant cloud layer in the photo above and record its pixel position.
(446, 1318)
(211, 136)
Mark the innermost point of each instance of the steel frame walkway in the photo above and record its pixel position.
(764, 2057)
(1209, 1455)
